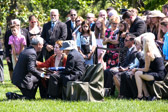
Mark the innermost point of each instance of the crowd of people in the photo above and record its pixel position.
(131, 48)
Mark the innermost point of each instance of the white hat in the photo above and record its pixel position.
(156, 13)
(68, 45)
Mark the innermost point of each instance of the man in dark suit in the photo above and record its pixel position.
(71, 23)
(90, 17)
(53, 31)
(137, 25)
(8, 33)
(113, 73)
(25, 75)
(74, 69)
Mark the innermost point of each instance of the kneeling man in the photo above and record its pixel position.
(25, 75)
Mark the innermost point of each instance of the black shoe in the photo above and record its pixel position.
(138, 98)
(9, 95)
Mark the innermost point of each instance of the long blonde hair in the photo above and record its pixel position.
(102, 31)
(149, 45)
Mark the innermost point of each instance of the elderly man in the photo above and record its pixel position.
(74, 69)
(90, 17)
(71, 23)
(103, 14)
(25, 76)
(53, 31)
(8, 33)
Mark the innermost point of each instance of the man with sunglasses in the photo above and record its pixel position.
(71, 23)
(114, 74)
(53, 31)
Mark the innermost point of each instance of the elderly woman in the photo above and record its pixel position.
(154, 65)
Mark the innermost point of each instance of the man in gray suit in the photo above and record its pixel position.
(53, 31)
(25, 75)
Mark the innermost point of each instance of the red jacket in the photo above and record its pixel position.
(51, 62)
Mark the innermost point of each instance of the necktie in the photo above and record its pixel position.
(52, 26)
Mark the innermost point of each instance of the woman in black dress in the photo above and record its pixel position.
(154, 65)
(34, 30)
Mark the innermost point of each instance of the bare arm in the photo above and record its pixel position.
(13, 51)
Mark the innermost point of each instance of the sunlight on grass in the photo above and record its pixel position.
(42, 105)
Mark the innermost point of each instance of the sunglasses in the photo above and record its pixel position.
(33, 22)
(53, 15)
(114, 23)
(126, 40)
(85, 26)
(77, 21)
(88, 17)
(73, 14)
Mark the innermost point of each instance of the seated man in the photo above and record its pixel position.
(25, 76)
(74, 69)
(128, 63)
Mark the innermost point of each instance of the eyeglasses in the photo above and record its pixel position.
(114, 23)
(54, 15)
(33, 22)
(126, 40)
(85, 26)
(73, 14)
(77, 21)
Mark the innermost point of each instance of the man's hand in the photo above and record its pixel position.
(49, 48)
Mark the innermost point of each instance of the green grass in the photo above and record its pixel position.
(40, 105)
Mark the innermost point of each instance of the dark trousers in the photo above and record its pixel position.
(108, 80)
(128, 86)
(57, 85)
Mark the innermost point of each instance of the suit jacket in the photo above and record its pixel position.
(69, 29)
(75, 66)
(51, 62)
(25, 72)
(138, 27)
(130, 57)
(59, 33)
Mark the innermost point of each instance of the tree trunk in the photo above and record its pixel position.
(12, 14)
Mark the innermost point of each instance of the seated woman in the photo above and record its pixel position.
(74, 69)
(154, 65)
(56, 60)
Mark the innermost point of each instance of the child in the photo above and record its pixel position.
(86, 43)
(100, 34)
(123, 28)
(17, 42)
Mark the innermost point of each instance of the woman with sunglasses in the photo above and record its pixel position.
(86, 43)
(33, 30)
(111, 40)
(78, 22)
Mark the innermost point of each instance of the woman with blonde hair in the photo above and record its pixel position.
(154, 65)
(111, 40)
(100, 29)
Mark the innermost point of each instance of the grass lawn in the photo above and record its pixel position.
(39, 105)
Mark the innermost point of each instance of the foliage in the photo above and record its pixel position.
(41, 8)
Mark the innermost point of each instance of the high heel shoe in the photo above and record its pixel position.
(140, 98)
